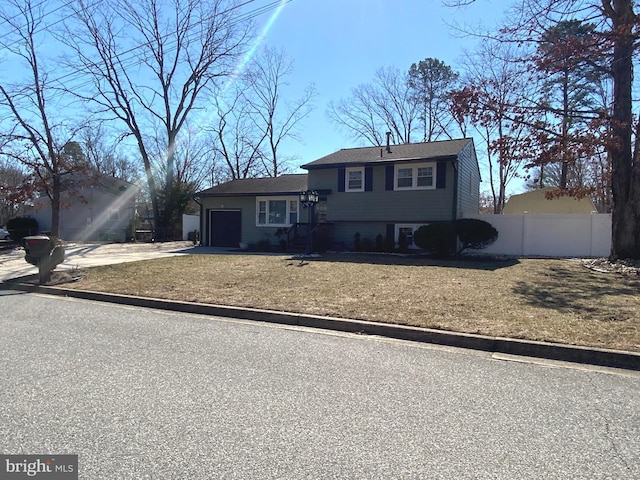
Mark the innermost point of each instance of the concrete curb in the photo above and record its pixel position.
(551, 351)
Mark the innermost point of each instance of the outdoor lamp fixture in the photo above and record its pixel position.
(309, 198)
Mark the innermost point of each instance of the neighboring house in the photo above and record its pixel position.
(536, 202)
(371, 191)
(94, 208)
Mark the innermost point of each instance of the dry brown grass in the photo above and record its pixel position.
(549, 300)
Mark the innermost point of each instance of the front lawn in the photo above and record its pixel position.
(548, 300)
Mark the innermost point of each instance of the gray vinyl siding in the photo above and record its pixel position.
(371, 212)
(381, 205)
(343, 233)
(251, 233)
(468, 183)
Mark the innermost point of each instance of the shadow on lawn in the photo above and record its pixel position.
(569, 290)
(464, 262)
(474, 263)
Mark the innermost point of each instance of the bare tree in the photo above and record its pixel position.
(194, 157)
(495, 84)
(150, 61)
(616, 26)
(274, 119)
(103, 155)
(386, 105)
(39, 134)
(253, 119)
(234, 137)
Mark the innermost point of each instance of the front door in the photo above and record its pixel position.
(225, 228)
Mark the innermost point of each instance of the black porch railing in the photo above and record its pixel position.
(296, 236)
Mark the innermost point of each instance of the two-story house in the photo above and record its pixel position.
(371, 191)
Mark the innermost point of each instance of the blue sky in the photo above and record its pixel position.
(339, 44)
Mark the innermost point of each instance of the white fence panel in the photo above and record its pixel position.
(189, 224)
(550, 235)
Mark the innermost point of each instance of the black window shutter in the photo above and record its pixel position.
(368, 179)
(441, 175)
(388, 181)
(341, 172)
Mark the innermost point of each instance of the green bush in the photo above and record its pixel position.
(402, 243)
(379, 243)
(357, 245)
(389, 244)
(475, 234)
(437, 237)
(440, 237)
(193, 236)
(21, 227)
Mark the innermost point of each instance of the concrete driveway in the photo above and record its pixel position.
(82, 255)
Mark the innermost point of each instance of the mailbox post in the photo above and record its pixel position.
(41, 251)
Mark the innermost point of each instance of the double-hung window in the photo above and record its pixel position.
(276, 211)
(415, 177)
(354, 179)
(425, 177)
(293, 211)
(404, 177)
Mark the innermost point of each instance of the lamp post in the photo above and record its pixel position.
(309, 198)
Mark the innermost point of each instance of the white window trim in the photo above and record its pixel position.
(286, 216)
(413, 226)
(346, 179)
(414, 177)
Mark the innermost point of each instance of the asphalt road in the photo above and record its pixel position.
(142, 394)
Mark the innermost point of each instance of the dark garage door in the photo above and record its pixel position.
(225, 228)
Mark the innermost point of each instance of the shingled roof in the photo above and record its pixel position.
(409, 151)
(284, 184)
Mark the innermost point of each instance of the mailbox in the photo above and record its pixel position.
(42, 252)
(37, 247)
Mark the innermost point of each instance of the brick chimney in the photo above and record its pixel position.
(388, 142)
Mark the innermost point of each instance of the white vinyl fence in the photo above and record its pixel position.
(550, 235)
(189, 224)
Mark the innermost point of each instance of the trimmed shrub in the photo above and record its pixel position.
(379, 243)
(402, 243)
(475, 234)
(357, 245)
(193, 236)
(437, 237)
(21, 227)
(389, 244)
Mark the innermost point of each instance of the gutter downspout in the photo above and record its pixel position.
(197, 200)
(454, 164)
